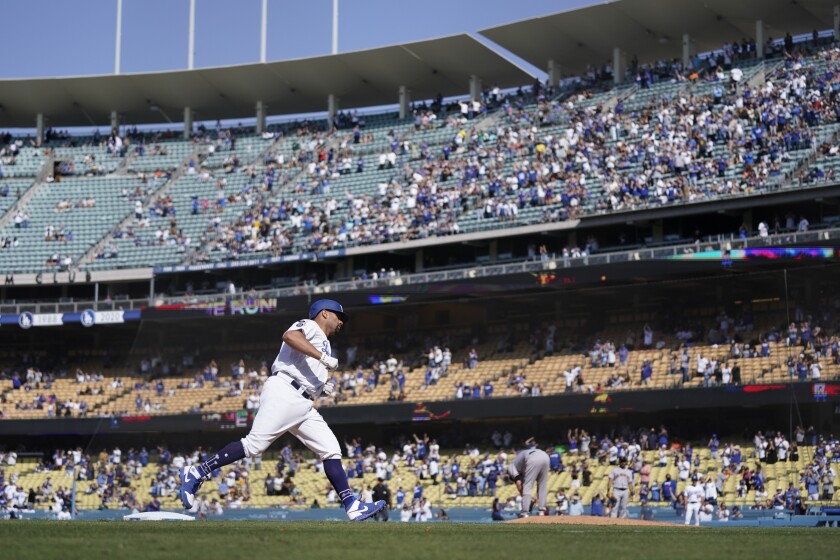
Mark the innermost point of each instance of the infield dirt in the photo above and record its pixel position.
(587, 520)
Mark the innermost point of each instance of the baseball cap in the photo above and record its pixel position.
(329, 305)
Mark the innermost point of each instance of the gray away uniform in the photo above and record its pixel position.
(532, 464)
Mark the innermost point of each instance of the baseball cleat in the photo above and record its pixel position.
(522, 514)
(190, 483)
(359, 511)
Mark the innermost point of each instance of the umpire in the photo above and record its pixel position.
(620, 486)
(529, 466)
(382, 492)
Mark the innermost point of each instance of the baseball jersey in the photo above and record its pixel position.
(517, 466)
(307, 371)
(693, 493)
(622, 478)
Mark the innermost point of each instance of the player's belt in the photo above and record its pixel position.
(300, 389)
(297, 386)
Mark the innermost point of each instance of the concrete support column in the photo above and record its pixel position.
(332, 107)
(418, 260)
(759, 39)
(686, 50)
(188, 122)
(39, 128)
(657, 231)
(553, 74)
(619, 65)
(115, 121)
(475, 88)
(837, 23)
(405, 100)
(494, 250)
(260, 128)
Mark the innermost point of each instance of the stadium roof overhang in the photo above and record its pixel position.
(358, 79)
(653, 29)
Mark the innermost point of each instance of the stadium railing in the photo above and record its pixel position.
(459, 272)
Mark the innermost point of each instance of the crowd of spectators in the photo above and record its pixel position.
(802, 349)
(565, 155)
(562, 154)
(414, 472)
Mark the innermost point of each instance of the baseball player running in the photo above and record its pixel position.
(298, 376)
(529, 466)
(620, 485)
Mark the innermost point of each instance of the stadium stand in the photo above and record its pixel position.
(535, 159)
(748, 475)
(674, 137)
(523, 362)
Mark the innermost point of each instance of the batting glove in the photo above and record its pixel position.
(329, 361)
(329, 388)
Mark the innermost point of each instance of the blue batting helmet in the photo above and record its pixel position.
(329, 305)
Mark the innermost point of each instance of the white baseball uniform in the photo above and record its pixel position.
(286, 403)
(693, 499)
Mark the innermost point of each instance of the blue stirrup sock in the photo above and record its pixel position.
(338, 478)
(230, 453)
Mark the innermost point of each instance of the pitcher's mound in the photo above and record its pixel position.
(589, 520)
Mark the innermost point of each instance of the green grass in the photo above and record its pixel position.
(394, 541)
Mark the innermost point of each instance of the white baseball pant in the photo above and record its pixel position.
(692, 509)
(283, 409)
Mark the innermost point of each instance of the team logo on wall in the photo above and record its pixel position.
(88, 318)
(25, 320)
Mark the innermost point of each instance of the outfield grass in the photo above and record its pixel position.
(394, 541)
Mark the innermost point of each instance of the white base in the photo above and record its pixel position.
(158, 516)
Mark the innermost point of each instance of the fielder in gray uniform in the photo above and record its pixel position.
(529, 466)
(620, 486)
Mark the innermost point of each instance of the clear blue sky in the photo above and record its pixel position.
(44, 38)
